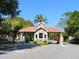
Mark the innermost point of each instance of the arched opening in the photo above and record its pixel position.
(40, 35)
(45, 36)
(36, 35)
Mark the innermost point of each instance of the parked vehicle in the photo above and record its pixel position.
(75, 40)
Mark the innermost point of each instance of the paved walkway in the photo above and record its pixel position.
(52, 51)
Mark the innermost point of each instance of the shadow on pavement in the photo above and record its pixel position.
(2, 53)
(19, 46)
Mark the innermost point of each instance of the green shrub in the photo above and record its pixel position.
(34, 42)
(41, 43)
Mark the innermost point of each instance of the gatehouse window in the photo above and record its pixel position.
(40, 35)
(36, 35)
(45, 36)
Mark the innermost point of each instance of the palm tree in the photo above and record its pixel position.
(40, 18)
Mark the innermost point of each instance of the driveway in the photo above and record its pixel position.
(51, 51)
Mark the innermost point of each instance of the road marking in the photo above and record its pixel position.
(16, 57)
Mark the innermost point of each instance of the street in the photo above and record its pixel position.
(51, 51)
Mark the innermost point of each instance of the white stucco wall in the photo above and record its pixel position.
(9, 37)
(40, 39)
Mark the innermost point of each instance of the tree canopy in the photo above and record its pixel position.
(9, 7)
(15, 24)
(71, 21)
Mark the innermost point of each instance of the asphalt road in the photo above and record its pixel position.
(52, 51)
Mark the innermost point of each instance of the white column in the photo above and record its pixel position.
(34, 37)
(38, 37)
(21, 37)
(61, 39)
(47, 37)
(43, 39)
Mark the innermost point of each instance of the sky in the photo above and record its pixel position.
(51, 9)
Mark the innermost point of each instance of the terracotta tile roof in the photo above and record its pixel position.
(53, 29)
(34, 28)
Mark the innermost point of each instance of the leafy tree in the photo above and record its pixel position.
(40, 18)
(62, 23)
(18, 23)
(71, 22)
(13, 25)
(9, 7)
